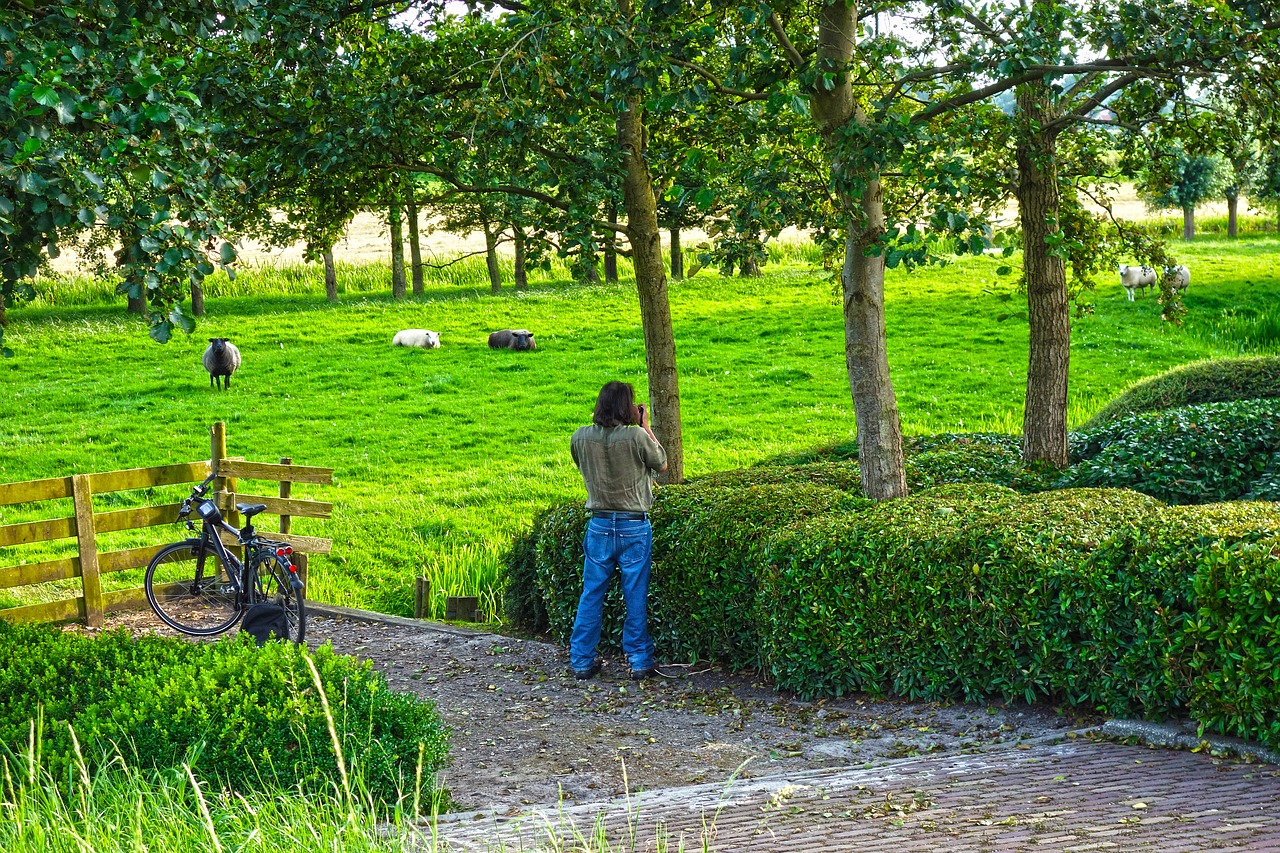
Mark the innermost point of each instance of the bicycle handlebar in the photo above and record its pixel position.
(198, 492)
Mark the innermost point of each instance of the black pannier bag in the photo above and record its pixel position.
(264, 619)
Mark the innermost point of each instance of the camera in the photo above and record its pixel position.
(640, 409)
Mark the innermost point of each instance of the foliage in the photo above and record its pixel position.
(1211, 381)
(1194, 454)
(1095, 597)
(1179, 180)
(236, 713)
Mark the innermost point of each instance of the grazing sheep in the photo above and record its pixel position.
(1181, 276)
(424, 338)
(221, 359)
(516, 339)
(1139, 278)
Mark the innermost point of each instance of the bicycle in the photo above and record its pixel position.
(197, 586)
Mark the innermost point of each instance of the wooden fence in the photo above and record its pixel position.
(84, 526)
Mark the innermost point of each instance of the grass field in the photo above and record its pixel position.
(441, 455)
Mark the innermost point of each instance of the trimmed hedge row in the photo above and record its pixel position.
(1195, 454)
(1098, 597)
(235, 712)
(1214, 381)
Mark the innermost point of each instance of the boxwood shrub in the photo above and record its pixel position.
(237, 713)
(957, 592)
(1195, 454)
(1214, 381)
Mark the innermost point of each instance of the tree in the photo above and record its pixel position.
(95, 93)
(1178, 179)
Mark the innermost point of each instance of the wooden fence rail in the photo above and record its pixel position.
(85, 525)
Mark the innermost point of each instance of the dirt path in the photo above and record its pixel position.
(526, 732)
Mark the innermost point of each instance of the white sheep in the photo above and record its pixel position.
(424, 338)
(221, 359)
(1181, 276)
(1137, 278)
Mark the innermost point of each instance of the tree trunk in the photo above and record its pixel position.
(1189, 223)
(610, 248)
(136, 306)
(1044, 419)
(197, 300)
(395, 221)
(491, 258)
(677, 255)
(4, 317)
(521, 273)
(749, 268)
(651, 284)
(875, 405)
(330, 276)
(1233, 213)
(415, 246)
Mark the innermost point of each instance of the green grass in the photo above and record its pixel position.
(441, 455)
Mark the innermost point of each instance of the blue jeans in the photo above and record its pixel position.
(628, 547)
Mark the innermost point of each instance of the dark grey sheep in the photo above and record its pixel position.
(221, 359)
(516, 339)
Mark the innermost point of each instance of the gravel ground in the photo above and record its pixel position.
(526, 732)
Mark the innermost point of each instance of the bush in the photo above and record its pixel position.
(951, 593)
(1212, 381)
(1102, 598)
(235, 712)
(1196, 454)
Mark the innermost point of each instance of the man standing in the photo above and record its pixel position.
(617, 455)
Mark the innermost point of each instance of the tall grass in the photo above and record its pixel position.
(441, 275)
(441, 455)
(122, 809)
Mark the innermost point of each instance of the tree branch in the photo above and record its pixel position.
(715, 82)
(775, 24)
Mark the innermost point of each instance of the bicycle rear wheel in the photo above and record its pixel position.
(190, 588)
(273, 582)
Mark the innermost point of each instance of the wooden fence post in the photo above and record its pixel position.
(217, 449)
(421, 597)
(87, 543)
(286, 525)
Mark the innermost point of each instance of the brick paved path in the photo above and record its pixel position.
(1077, 795)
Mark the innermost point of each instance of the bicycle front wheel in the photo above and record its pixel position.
(191, 589)
(274, 583)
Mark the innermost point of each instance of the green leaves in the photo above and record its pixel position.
(46, 95)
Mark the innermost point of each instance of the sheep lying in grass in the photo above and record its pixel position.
(221, 359)
(516, 339)
(424, 338)
(1137, 278)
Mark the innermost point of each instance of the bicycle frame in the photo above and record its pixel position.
(246, 536)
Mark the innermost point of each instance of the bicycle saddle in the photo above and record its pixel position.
(250, 510)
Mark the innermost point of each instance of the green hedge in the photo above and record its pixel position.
(1213, 381)
(236, 712)
(1195, 454)
(1103, 598)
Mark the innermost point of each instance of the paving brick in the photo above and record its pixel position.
(1001, 800)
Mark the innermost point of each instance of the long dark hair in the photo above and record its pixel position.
(616, 405)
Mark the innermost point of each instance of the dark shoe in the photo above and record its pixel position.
(648, 672)
(590, 672)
